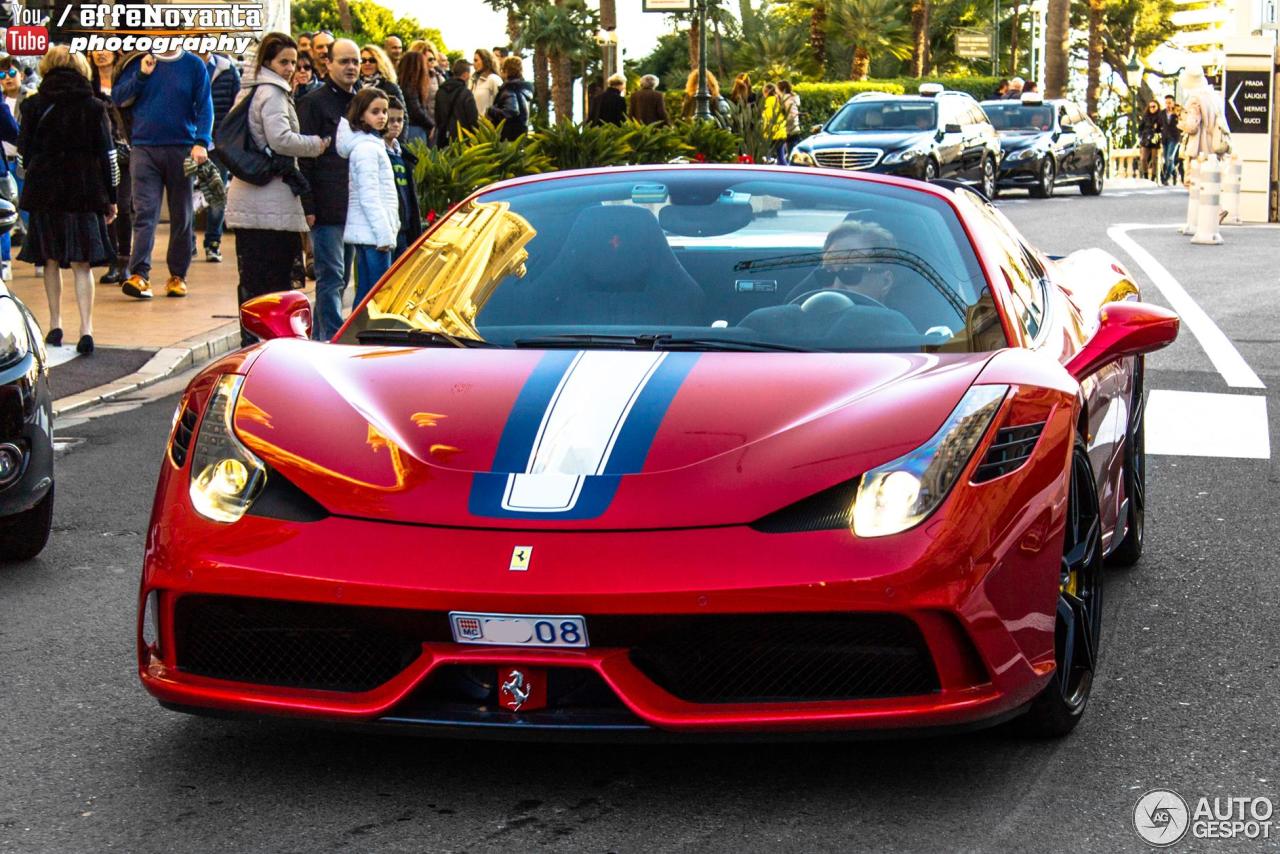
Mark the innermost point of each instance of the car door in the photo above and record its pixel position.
(1068, 142)
(951, 147)
(975, 143)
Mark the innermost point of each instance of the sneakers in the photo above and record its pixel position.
(213, 253)
(175, 287)
(137, 287)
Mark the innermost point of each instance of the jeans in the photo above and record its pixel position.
(333, 269)
(371, 265)
(214, 216)
(157, 168)
(1170, 160)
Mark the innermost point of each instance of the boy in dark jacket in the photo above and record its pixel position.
(224, 84)
(455, 105)
(403, 162)
(511, 106)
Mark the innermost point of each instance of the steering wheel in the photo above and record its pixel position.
(851, 297)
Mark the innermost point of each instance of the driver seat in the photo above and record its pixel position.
(616, 268)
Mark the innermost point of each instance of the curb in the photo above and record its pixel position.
(165, 363)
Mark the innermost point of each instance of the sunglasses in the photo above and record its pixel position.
(368, 60)
(12, 72)
(304, 67)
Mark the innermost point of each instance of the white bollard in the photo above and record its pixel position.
(1231, 172)
(1207, 233)
(1193, 197)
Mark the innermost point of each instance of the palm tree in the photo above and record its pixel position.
(1057, 28)
(1015, 28)
(1095, 57)
(773, 52)
(870, 25)
(344, 16)
(559, 33)
(919, 37)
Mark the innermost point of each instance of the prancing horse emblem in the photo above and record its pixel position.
(519, 691)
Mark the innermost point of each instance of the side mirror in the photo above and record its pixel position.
(1124, 329)
(953, 128)
(286, 314)
(815, 129)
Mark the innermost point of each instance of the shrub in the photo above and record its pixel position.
(708, 142)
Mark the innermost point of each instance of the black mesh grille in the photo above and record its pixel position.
(182, 434)
(781, 657)
(299, 645)
(1012, 448)
(829, 509)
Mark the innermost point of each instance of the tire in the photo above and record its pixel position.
(1047, 175)
(930, 170)
(988, 178)
(1093, 186)
(1129, 551)
(23, 535)
(1060, 706)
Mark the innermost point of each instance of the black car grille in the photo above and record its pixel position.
(182, 433)
(1012, 448)
(788, 657)
(699, 658)
(295, 644)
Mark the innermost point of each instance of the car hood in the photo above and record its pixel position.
(596, 439)
(1018, 140)
(865, 139)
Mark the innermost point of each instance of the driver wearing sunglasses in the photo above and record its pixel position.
(847, 264)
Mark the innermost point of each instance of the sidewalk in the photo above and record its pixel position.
(138, 342)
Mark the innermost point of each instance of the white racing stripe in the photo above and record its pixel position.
(579, 428)
(1222, 353)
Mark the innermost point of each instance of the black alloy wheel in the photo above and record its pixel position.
(930, 170)
(1045, 179)
(1078, 626)
(988, 178)
(1093, 186)
(1129, 551)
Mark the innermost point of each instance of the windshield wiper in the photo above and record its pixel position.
(661, 341)
(418, 338)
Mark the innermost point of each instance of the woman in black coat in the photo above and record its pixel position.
(70, 190)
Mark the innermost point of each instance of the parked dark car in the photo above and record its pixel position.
(1048, 144)
(26, 433)
(936, 134)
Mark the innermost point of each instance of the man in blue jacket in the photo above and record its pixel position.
(172, 120)
(224, 85)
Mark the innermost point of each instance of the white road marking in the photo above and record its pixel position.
(1201, 424)
(1217, 346)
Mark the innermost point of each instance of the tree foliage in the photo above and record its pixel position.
(370, 22)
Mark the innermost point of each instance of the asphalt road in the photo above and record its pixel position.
(1187, 695)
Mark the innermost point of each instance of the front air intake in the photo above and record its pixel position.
(1012, 448)
(183, 431)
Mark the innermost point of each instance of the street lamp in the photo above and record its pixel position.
(702, 101)
(608, 42)
(1133, 78)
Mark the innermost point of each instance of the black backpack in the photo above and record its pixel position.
(235, 150)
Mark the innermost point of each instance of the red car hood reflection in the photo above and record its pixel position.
(595, 439)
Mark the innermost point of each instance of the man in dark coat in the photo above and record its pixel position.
(326, 203)
(455, 105)
(611, 107)
(224, 85)
(647, 103)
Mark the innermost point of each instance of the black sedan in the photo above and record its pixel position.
(1047, 144)
(26, 434)
(936, 134)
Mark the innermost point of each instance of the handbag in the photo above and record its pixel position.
(235, 150)
(1220, 139)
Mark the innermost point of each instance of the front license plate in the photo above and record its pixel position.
(518, 629)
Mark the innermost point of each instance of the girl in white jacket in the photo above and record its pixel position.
(373, 208)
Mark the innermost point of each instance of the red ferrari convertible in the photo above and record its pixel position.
(665, 450)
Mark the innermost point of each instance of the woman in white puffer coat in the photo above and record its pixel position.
(373, 207)
(268, 220)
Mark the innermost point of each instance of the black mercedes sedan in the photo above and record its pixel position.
(26, 433)
(1048, 144)
(936, 134)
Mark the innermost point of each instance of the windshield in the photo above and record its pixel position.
(1015, 116)
(691, 258)
(885, 116)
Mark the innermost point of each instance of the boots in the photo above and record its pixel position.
(116, 273)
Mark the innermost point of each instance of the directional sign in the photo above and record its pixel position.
(973, 44)
(668, 5)
(1248, 101)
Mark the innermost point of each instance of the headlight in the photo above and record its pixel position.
(14, 343)
(899, 495)
(225, 476)
(904, 155)
(800, 157)
(1024, 154)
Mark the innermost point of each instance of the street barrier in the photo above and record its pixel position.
(1193, 197)
(1124, 163)
(1207, 216)
(1231, 172)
